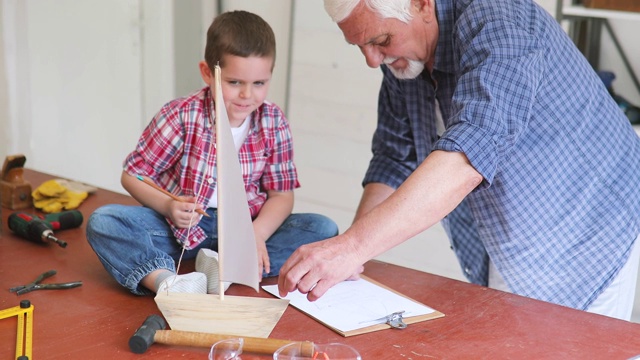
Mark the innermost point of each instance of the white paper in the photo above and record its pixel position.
(352, 305)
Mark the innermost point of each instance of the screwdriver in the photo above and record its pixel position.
(40, 228)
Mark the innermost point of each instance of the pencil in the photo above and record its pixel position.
(153, 185)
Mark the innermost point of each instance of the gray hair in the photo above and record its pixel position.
(339, 10)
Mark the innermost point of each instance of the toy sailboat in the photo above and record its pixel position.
(237, 256)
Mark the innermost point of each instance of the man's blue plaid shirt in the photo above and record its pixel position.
(559, 207)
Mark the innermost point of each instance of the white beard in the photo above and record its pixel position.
(412, 71)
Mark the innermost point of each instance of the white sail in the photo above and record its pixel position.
(238, 256)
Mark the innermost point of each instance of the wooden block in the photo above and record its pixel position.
(15, 192)
(16, 196)
(621, 5)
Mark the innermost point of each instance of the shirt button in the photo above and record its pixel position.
(210, 181)
(467, 270)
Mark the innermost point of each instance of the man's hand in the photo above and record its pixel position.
(356, 275)
(314, 268)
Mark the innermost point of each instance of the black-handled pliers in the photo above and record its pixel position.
(35, 285)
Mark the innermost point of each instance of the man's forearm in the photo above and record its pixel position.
(373, 194)
(428, 195)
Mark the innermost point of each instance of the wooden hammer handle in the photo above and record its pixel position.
(251, 344)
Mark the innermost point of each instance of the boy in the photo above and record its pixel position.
(140, 245)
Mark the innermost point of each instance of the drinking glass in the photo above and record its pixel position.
(229, 349)
(330, 351)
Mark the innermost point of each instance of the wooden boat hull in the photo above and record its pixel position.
(234, 315)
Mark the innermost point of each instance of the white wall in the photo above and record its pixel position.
(5, 129)
(74, 88)
(81, 78)
(93, 82)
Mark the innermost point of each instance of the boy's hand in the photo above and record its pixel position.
(263, 258)
(182, 213)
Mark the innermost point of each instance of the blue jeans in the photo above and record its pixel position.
(133, 241)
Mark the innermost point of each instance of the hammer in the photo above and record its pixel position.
(152, 331)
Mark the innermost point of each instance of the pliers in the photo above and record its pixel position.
(35, 285)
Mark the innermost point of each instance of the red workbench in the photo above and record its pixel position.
(96, 320)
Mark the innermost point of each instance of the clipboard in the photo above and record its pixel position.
(358, 307)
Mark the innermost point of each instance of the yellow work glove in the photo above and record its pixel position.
(56, 195)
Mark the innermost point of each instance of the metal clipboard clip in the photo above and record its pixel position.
(394, 320)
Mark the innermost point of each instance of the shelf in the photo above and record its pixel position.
(581, 11)
(585, 26)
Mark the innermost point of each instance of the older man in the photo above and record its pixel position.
(491, 119)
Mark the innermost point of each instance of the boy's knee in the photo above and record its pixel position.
(312, 226)
(332, 228)
(324, 225)
(99, 220)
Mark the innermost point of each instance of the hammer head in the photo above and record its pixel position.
(144, 336)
